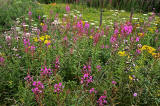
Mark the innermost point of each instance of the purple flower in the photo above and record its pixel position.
(86, 79)
(1, 60)
(86, 69)
(38, 87)
(92, 90)
(28, 78)
(58, 88)
(135, 94)
(45, 71)
(116, 31)
(29, 13)
(137, 39)
(26, 42)
(65, 38)
(67, 8)
(138, 51)
(99, 67)
(32, 48)
(102, 46)
(86, 25)
(102, 101)
(57, 63)
(126, 29)
(8, 38)
(114, 82)
(44, 28)
(113, 39)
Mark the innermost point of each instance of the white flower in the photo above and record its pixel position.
(65, 15)
(135, 18)
(122, 10)
(92, 23)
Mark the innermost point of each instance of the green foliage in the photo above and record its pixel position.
(12, 9)
(138, 5)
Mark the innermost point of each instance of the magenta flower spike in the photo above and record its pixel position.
(102, 101)
(58, 88)
(67, 8)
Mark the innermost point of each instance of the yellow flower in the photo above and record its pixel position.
(122, 53)
(140, 34)
(130, 77)
(138, 25)
(47, 42)
(151, 30)
(42, 38)
(42, 24)
(35, 39)
(83, 22)
(47, 37)
(149, 49)
(156, 55)
(91, 37)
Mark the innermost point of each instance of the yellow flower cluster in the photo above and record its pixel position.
(140, 34)
(45, 39)
(156, 55)
(91, 37)
(130, 77)
(149, 49)
(122, 53)
(42, 24)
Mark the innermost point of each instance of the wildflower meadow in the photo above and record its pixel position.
(58, 54)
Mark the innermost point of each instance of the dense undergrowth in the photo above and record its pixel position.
(67, 61)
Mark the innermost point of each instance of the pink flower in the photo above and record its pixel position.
(92, 90)
(86, 79)
(58, 88)
(44, 28)
(32, 48)
(86, 69)
(65, 38)
(1, 60)
(86, 25)
(8, 38)
(29, 13)
(116, 31)
(114, 82)
(102, 101)
(135, 94)
(38, 87)
(138, 51)
(57, 63)
(67, 8)
(99, 67)
(102, 46)
(126, 29)
(113, 39)
(45, 71)
(137, 39)
(26, 42)
(28, 78)
(106, 46)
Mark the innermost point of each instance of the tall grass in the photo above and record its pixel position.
(138, 5)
